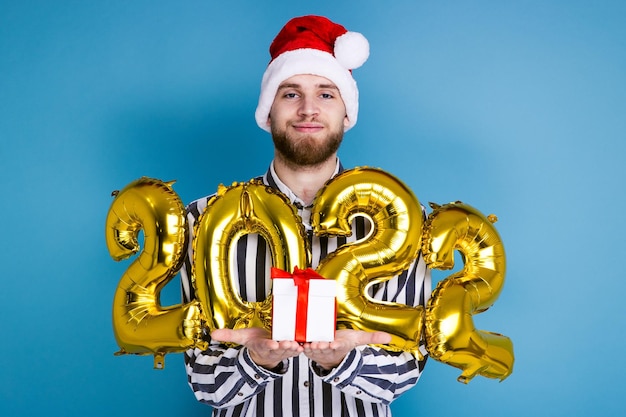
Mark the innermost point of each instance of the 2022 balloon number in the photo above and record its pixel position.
(399, 234)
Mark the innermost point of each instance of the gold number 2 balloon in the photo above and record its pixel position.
(235, 211)
(393, 244)
(450, 333)
(141, 325)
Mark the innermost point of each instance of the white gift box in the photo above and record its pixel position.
(306, 317)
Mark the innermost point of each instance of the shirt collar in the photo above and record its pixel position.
(271, 179)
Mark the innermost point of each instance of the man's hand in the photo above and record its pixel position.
(330, 354)
(263, 350)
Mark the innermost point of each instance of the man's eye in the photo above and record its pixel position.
(291, 95)
(326, 95)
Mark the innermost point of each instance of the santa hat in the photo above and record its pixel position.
(314, 45)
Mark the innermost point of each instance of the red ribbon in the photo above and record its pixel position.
(301, 279)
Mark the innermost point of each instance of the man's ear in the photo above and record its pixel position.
(268, 123)
(346, 122)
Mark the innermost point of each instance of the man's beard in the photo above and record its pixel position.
(306, 151)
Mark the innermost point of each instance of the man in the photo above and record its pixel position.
(308, 100)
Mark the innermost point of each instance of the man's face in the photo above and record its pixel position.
(307, 120)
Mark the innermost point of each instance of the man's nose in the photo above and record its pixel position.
(308, 106)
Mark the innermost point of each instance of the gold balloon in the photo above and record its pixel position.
(141, 325)
(392, 245)
(233, 212)
(450, 333)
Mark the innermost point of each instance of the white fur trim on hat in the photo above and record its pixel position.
(307, 61)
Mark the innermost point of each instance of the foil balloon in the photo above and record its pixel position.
(141, 325)
(394, 242)
(450, 332)
(233, 212)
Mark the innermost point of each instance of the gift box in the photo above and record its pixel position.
(304, 306)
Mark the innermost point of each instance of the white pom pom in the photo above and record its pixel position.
(352, 50)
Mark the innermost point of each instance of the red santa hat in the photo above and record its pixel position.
(314, 45)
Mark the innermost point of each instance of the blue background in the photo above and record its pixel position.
(517, 108)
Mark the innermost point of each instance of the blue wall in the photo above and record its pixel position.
(517, 108)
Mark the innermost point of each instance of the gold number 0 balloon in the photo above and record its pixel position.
(233, 212)
(394, 243)
(450, 333)
(141, 325)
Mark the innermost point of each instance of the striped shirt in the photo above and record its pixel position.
(364, 384)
